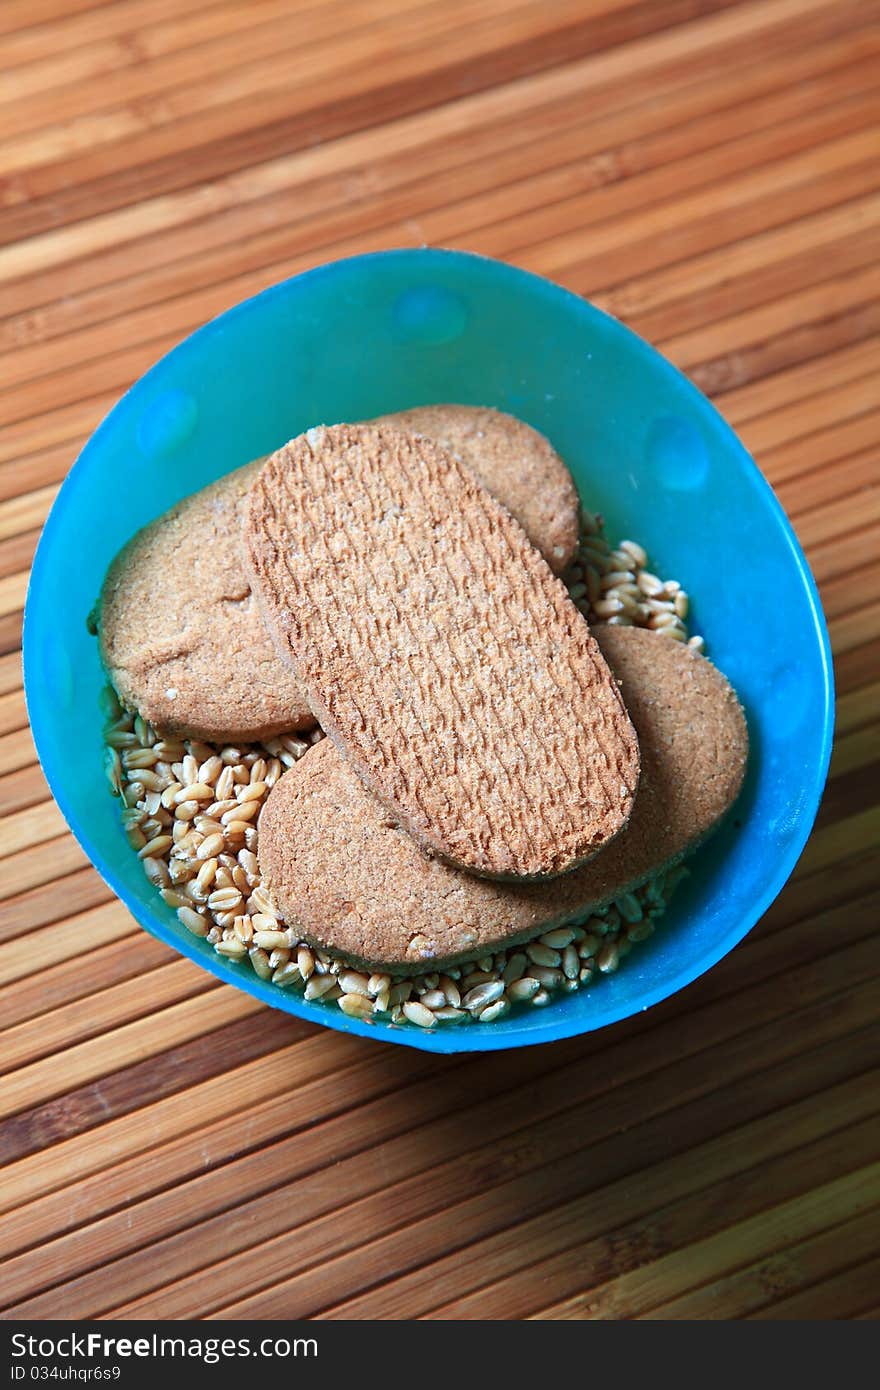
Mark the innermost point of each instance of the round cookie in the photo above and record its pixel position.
(515, 462)
(180, 632)
(347, 878)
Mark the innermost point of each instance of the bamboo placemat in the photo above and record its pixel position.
(707, 171)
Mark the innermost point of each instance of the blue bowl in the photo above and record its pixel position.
(380, 332)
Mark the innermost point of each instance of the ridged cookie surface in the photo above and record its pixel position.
(440, 652)
(187, 564)
(349, 880)
(180, 631)
(516, 463)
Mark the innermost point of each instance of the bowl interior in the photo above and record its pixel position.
(377, 333)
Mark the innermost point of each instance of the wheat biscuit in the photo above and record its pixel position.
(180, 632)
(345, 877)
(516, 463)
(440, 652)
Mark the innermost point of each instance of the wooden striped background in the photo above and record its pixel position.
(707, 170)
